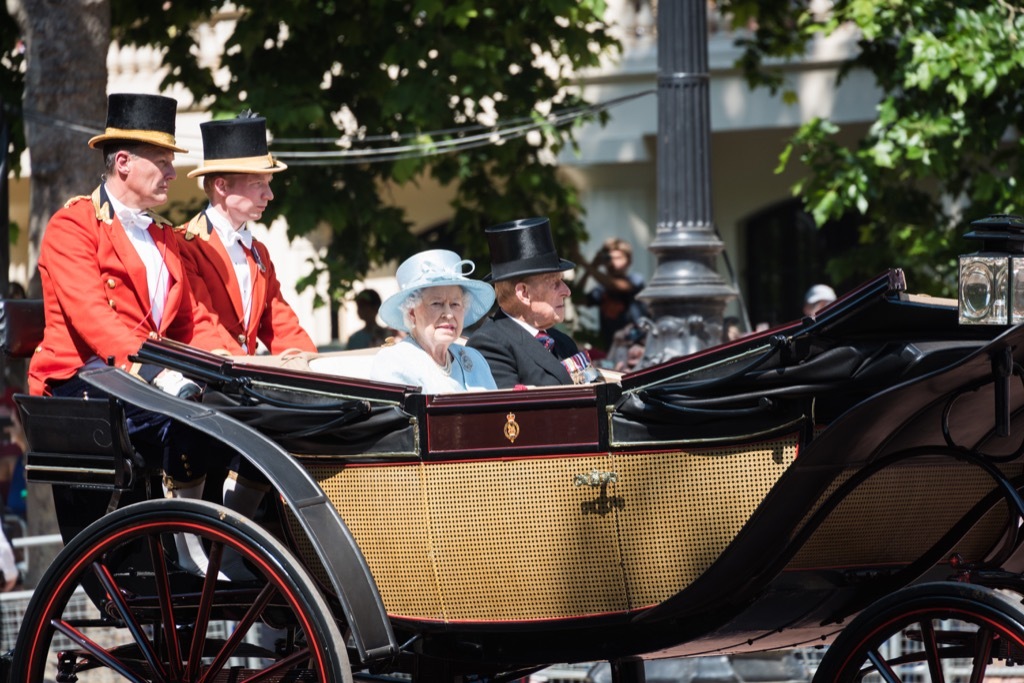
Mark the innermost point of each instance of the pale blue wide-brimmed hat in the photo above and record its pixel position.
(436, 268)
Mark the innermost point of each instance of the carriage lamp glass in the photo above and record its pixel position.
(991, 283)
(983, 290)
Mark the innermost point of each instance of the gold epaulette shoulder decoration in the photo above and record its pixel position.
(103, 212)
(75, 200)
(160, 220)
(198, 227)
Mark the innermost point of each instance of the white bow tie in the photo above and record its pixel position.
(132, 218)
(243, 236)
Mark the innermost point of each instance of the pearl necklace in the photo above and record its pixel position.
(447, 367)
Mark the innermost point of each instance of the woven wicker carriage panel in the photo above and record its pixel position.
(531, 538)
(682, 509)
(383, 507)
(519, 540)
(900, 512)
(511, 540)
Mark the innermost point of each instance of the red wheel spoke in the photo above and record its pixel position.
(882, 667)
(273, 672)
(96, 651)
(136, 630)
(195, 654)
(163, 590)
(242, 627)
(931, 651)
(982, 653)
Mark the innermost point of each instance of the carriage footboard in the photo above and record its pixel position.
(77, 442)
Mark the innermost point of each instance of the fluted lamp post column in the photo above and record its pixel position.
(5, 202)
(686, 295)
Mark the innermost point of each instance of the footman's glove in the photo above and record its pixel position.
(176, 384)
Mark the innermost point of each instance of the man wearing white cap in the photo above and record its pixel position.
(816, 298)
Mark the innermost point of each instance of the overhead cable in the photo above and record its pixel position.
(355, 151)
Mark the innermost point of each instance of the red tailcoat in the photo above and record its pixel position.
(209, 268)
(96, 297)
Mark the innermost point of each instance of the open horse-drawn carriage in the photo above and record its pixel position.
(840, 480)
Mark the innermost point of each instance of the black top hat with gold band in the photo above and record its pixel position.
(523, 247)
(140, 118)
(237, 145)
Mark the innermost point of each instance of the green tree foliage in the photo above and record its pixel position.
(416, 73)
(945, 148)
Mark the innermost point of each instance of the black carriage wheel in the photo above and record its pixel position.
(114, 606)
(948, 625)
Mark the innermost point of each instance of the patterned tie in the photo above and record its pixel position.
(544, 338)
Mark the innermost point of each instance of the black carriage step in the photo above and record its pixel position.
(77, 442)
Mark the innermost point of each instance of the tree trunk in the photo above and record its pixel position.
(65, 91)
(66, 45)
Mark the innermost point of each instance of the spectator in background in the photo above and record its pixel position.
(627, 351)
(11, 441)
(731, 329)
(371, 335)
(12, 455)
(816, 298)
(9, 574)
(616, 290)
(14, 369)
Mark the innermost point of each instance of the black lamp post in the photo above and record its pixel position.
(5, 215)
(686, 295)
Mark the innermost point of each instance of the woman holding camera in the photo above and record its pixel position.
(616, 290)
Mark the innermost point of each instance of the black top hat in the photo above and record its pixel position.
(237, 145)
(140, 118)
(523, 247)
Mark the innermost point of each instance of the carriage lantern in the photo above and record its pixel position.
(992, 280)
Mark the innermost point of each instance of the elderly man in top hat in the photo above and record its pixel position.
(111, 272)
(519, 341)
(231, 272)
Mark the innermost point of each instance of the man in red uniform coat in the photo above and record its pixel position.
(230, 271)
(111, 271)
(113, 277)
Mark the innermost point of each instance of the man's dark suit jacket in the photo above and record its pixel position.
(517, 358)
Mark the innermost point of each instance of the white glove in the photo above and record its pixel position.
(176, 384)
(7, 565)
